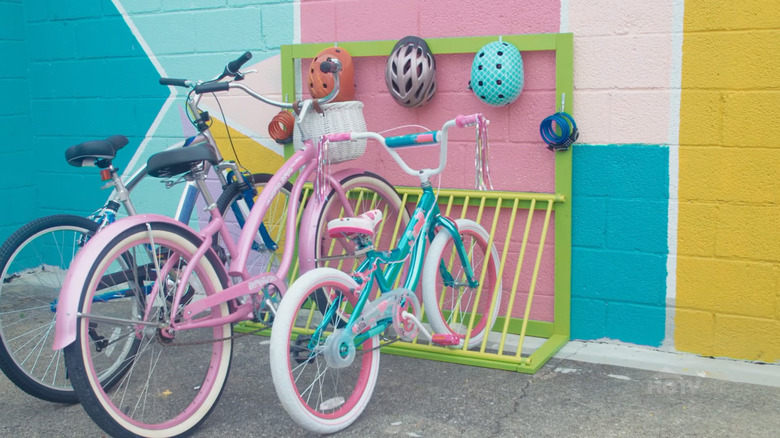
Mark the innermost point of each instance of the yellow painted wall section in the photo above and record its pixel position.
(252, 155)
(728, 271)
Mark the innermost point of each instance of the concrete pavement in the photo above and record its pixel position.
(587, 390)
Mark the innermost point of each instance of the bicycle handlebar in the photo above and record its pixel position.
(418, 139)
(233, 67)
(332, 66)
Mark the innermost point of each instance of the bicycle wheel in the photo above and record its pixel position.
(323, 384)
(262, 257)
(175, 378)
(365, 191)
(33, 263)
(449, 301)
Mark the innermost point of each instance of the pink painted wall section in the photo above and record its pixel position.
(519, 159)
(623, 70)
(513, 129)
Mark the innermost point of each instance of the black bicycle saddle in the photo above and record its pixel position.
(96, 152)
(173, 162)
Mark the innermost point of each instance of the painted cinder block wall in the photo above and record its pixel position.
(675, 175)
(17, 190)
(728, 288)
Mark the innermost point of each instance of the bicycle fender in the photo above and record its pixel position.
(308, 226)
(70, 295)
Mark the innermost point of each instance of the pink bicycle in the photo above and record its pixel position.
(162, 293)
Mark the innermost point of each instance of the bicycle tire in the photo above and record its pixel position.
(321, 393)
(447, 312)
(31, 280)
(261, 258)
(365, 191)
(176, 378)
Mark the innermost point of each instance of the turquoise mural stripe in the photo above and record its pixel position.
(620, 209)
(89, 78)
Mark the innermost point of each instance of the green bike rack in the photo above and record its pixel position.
(503, 349)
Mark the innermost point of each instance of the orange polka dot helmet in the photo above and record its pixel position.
(321, 84)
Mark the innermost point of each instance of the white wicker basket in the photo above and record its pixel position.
(338, 117)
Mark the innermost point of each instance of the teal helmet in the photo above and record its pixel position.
(497, 73)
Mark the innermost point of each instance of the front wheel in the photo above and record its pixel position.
(174, 378)
(322, 379)
(452, 304)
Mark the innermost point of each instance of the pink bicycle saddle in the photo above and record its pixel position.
(363, 224)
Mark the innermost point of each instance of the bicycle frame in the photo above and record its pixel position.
(425, 221)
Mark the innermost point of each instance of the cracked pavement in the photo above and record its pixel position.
(420, 398)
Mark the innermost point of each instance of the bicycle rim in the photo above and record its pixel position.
(34, 261)
(261, 258)
(322, 394)
(171, 380)
(365, 192)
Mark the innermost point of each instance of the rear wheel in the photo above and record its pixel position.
(323, 381)
(364, 192)
(174, 379)
(263, 256)
(33, 264)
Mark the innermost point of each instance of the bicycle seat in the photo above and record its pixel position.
(173, 162)
(96, 152)
(363, 224)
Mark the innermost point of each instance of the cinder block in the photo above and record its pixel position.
(730, 60)
(747, 338)
(14, 63)
(637, 324)
(622, 171)
(51, 40)
(749, 232)
(278, 26)
(444, 18)
(726, 286)
(619, 275)
(16, 97)
(637, 225)
(12, 21)
(588, 319)
(643, 62)
(744, 118)
(610, 17)
(694, 330)
(695, 104)
(696, 228)
(708, 15)
(589, 222)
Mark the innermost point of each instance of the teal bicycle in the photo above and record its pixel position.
(325, 342)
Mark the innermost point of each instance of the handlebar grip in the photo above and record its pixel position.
(463, 121)
(211, 87)
(345, 136)
(429, 137)
(234, 66)
(175, 82)
(330, 67)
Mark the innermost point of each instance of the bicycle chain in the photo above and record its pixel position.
(211, 341)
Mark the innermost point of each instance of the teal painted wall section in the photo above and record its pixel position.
(619, 238)
(16, 185)
(194, 40)
(85, 76)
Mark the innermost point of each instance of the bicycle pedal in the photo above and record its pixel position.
(445, 339)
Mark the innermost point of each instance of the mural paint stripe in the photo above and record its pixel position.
(168, 102)
(675, 85)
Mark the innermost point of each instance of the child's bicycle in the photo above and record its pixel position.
(35, 258)
(169, 340)
(325, 343)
